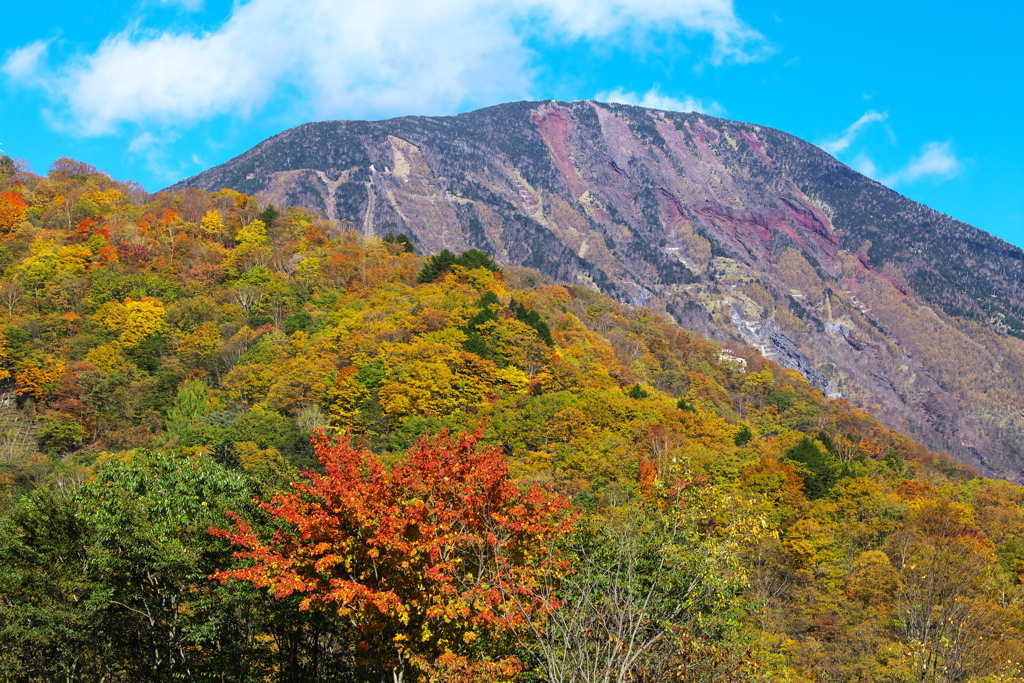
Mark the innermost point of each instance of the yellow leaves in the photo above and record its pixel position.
(343, 400)
(108, 358)
(516, 380)
(759, 383)
(449, 336)
(73, 259)
(561, 375)
(308, 270)
(106, 200)
(942, 518)
(41, 264)
(435, 379)
(300, 381)
(569, 425)
(200, 344)
(794, 377)
(135, 320)
(266, 461)
(810, 542)
(481, 278)
(517, 342)
(798, 275)
(252, 236)
(211, 224)
(249, 382)
(252, 247)
(872, 579)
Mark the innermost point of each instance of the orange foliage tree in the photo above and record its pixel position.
(12, 211)
(431, 566)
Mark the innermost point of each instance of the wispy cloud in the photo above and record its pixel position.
(846, 139)
(353, 57)
(653, 99)
(27, 65)
(154, 150)
(936, 161)
(864, 164)
(189, 5)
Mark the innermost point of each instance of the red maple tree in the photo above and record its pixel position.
(431, 566)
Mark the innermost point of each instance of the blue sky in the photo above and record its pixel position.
(925, 97)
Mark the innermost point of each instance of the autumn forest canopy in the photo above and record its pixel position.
(244, 442)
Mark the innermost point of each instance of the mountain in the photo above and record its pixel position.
(741, 232)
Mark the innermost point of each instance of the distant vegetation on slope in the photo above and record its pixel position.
(165, 359)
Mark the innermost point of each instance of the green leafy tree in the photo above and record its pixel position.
(743, 436)
(191, 403)
(401, 239)
(268, 215)
(111, 580)
(61, 433)
(637, 392)
(533, 319)
(651, 594)
(438, 265)
(818, 468)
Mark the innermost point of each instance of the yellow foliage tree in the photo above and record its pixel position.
(252, 236)
(135, 320)
(73, 259)
(108, 358)
(435, 379)
(199, 344)
(106, 200)
(342, 400)
(212, 224)
(41, 264)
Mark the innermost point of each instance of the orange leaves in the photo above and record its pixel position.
(911, 490)
(12, 211)
(38, 379)
(423, 560)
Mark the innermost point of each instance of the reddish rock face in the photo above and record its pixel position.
(555, 124)
(741, 232)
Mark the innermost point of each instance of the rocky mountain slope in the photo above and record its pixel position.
(741, 232)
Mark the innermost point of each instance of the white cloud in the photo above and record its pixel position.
(354, 57)
(26, 65)
(733, 40)
(655, 100)
(864, 164)
(846, 139)
(936, 161)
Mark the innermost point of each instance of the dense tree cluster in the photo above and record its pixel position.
(632, 504)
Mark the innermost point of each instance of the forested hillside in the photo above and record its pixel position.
(509, 479)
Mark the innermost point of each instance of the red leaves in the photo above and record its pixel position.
(436, 558)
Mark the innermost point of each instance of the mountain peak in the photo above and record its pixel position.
(739, 231)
